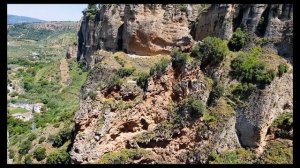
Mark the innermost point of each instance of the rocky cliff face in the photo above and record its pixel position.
(156, 29)
(274, 22)
(125, 117)
(264, 106)
(103, 126)
(131, 29)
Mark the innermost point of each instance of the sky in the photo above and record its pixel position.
(48, 12)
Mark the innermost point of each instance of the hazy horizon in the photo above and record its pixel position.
(48, 12)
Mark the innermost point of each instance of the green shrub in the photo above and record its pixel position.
(31, 137)
(216, 93)
(57, 141)
(114, 81)
(28, 159)
(27, 86)
(178, 60)
(238, 40)
(190, 109)
(124, 72)
(282, 68)
(243, 90)
(120, 61)
(238, 156)
(283, 120)
(63, 136)
(59, 157)
(17, 127)
(159, 68)
(25, 147)
(212, 51)
(92, 95)
(42, 139)
(39, 153)
(247, 67)
(142, 81)
(277, 152)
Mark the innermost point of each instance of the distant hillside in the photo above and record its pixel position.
(14, 19)
(41, 31)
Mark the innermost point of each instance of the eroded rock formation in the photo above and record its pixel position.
(126, 117)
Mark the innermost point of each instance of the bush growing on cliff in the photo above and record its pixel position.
(238, 40)
(39, 153)
(248, 68)
(114, 81)
(142, 81)
(63, 136)
(216, 93)
(120, 61)
(59, 157)
(282, 68)
(160, 67)
(124, 72)
(243, 90)
(211, 51)
(178, 60)
(190, 109)
(92, 95)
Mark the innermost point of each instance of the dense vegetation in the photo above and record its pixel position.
(59, 157)
(211, 52)
(39, 153)
(142, 81)
(282, 68)
(160, 67)
(238, 40)
(34, 68)
(178, 60)
(189, 110)
(248, 68)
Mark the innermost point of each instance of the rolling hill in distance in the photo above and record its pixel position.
(14, 19)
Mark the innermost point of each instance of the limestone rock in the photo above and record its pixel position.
(253, 122)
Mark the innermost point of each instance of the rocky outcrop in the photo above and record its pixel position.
(131, 29)
(167, 27)
(105, 124)
(150, 29)
(280, 28)
(126, 117)
(274, 22)
(264, 106)
(216, 20)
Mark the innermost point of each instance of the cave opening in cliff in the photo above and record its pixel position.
(238, 20)
(144, 124)
(120, 38)
(263, 22)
